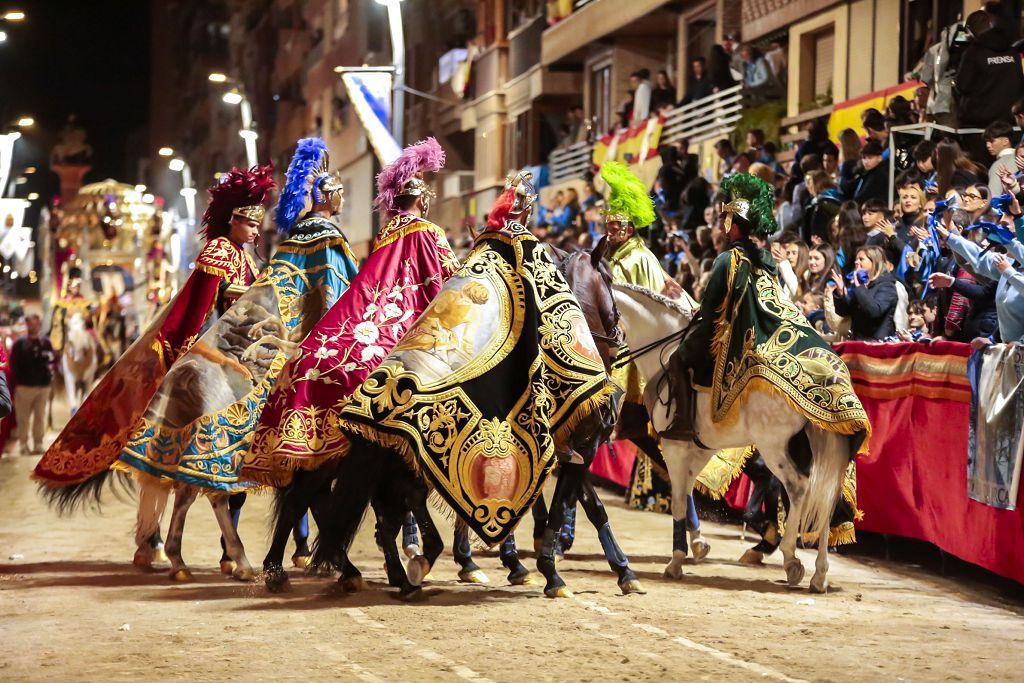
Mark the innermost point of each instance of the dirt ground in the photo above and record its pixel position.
(73, 608)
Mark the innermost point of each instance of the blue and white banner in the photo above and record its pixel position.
(370, 93)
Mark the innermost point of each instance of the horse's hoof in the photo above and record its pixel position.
(700, 549)
(160, 555)
(353, 584)
(417, 569)
(632, 586)
(752, 557)
(143, 561)
(243, 574)
(301, 561)
(411, 594)
(520, 577)
(228, 567)
(474, 576)
(673, 571)
(819, 586)
(558, 592)
(183, 575)
(276, 579)
(794, 572)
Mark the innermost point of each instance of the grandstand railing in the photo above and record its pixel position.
(714, 116)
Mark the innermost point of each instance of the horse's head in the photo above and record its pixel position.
(588, 277)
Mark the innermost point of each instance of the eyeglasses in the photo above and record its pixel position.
(971, 195)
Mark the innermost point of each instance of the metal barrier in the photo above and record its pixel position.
(712, 117)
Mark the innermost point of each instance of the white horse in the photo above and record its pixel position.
(766, 420)
(79, 360)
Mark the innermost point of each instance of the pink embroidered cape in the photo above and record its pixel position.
(298, 428)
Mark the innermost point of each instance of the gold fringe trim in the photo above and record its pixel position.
(287, 465)
(733, 475)
(846, 427)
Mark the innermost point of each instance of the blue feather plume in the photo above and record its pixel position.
(307, 157)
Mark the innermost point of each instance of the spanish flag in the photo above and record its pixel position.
(632, 145)
(847, 114)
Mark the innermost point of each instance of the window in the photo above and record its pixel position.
(601, 108)
(817, 66)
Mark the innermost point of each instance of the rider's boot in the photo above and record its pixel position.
(681, 428)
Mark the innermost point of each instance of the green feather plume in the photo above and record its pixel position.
(628, 195)
(761, 197)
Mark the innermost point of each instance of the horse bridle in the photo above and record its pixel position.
(615, 339)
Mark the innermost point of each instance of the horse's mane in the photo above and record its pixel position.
(654, 296)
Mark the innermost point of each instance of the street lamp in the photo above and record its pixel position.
(235, 96)
(165, 152)
(14, 15)
(178, 165)
(26, 122)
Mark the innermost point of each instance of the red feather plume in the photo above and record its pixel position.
(236, 188)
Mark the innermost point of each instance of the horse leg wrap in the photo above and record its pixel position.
(679, 535)
(617, 559)
(568, 533)
(462, 551)
(410, 535)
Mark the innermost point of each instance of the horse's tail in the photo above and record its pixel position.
(69, 498)
(829, 460)
(357, 478)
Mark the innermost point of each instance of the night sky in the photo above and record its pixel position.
(90, 58)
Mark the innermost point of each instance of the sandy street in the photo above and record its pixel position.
(73, 608)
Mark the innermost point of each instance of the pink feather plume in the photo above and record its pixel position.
(425, 155)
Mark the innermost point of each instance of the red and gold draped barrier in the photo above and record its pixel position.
(913, 482)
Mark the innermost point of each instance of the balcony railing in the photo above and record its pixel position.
(712, 117)
(569, 163)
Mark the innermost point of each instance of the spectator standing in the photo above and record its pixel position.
(871, 305)
(922, 155)
(875, 124)
(850, 234)
(719, 71)
(816, 143)
(32, 359)
(821, 259)
(698, 84)
(640, 81)
(997, 142)
(778, 59)
(974, 200)
(937, 70)
(727, 154)
(664, 93)
(996, 266)
(872, 180)
(953, 168)
(823, 209)
(758, 80)
(730, 44)
(990, 79)
(849, 157)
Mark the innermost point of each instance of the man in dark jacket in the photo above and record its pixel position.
(990, 79)
(871, 181)
(31, 360)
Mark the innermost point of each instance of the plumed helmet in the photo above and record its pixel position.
(244, 193)
(752, 200)
(404, 176)
(628, 199)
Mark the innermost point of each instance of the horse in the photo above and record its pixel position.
(784, 437)
(365, 479)
(79, 360)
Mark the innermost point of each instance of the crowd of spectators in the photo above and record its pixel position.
(942, 260)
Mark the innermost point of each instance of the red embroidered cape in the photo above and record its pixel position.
(298, 428)
(95, 436)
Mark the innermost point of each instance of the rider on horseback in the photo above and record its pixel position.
(746, 216)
